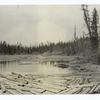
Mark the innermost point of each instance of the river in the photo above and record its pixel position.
(30, 65)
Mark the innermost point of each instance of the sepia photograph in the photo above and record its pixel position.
(49, 49)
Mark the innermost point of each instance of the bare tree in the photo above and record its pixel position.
(75, 37)
(94, 29)
(92, 26)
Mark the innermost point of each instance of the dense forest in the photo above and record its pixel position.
(78, 46)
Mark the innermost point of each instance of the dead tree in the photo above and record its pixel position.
(92, 26)
(94, 29)
(75, 37)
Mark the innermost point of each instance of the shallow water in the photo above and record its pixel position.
(31, 67)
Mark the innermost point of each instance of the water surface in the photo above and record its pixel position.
(33, 67)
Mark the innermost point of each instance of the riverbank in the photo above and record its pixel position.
(82, 78)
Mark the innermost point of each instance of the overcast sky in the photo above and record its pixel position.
(31, 25)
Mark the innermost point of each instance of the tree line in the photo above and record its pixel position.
(68, 48)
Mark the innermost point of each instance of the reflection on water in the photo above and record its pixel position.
(31, 67)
